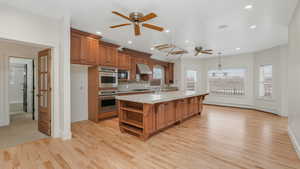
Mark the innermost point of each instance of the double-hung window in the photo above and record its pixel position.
(191, 80)
(266, 81)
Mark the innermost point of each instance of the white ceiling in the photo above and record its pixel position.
(194, 20)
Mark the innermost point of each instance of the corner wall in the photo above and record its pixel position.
(275, 56)
(22, 26)
(293, 79)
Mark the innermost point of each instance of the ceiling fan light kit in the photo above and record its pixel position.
(136, 18)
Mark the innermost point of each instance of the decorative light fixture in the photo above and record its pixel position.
(129, 42)
(219, 72)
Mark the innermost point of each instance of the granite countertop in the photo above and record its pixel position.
(153, 98)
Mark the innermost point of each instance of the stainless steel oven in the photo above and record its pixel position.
(107, 101)
(108, 77)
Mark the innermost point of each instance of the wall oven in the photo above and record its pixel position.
(107, 101)
(108, 77)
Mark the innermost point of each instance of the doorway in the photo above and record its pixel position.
(21, 87)
(27, 77)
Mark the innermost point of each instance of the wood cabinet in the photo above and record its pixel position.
(84, 48)
(137, 57)
(169, 73)
(181, 109)
(160, 116)
(144, 119)
(123, 61)
(170, 113)
(108, 54)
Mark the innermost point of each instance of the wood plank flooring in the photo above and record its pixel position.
(222, 138)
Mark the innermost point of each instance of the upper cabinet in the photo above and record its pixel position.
(108, 54)
(123, 61)
(169, 73)
(137, 57)
(84, 48)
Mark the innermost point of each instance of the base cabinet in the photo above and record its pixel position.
(145, 120)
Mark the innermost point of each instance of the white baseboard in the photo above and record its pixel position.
(66, 135)
(243, 106)
(294, 141)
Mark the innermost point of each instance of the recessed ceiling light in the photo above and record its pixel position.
(187, 41)
(99, 33)
(152, 48)
(167, 30)
(253, 26)
(248, 7)
(223, 26)
(237, 48)
(129, 42)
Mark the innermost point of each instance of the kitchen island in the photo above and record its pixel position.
(144, 115)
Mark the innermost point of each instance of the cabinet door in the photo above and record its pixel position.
(92, 51)
(123, 61)
(108, 56)
(132, 68)
(171, 73)
(76, 48)
(160, 117)
(170, 113)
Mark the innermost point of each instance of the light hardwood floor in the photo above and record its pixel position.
(222, 138)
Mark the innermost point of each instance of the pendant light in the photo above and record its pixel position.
(219, 72)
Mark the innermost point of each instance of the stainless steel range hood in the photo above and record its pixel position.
(144, 69)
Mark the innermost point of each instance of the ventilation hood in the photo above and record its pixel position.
(144, 69)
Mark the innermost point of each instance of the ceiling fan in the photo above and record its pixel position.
(136, 18)
(170, 49)
(200, 50)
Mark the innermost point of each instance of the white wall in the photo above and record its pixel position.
(251, 62)
(241, 61)
(293, 79)
(7, 49)
(275, 57)
(22, 26)
(79, 93)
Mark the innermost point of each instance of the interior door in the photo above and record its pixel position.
(44, 91)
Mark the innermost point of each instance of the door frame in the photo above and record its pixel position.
(33, 82)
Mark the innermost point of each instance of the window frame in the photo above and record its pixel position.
(262, 83)
(246, 76)
(195, 82)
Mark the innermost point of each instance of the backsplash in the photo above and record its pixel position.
(127, 86)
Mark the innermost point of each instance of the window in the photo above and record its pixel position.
(265, 81)
(158, 73)
(191, 80)
(229, 82)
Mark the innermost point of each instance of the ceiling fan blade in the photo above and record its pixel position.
(147, 17)
(121, 15)
(164, 46)
(137, 30)
(153, 27)
(116, 26)
(178, 52)
(208, 50)
(208, 53)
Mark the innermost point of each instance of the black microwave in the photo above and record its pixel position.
(123, 75)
